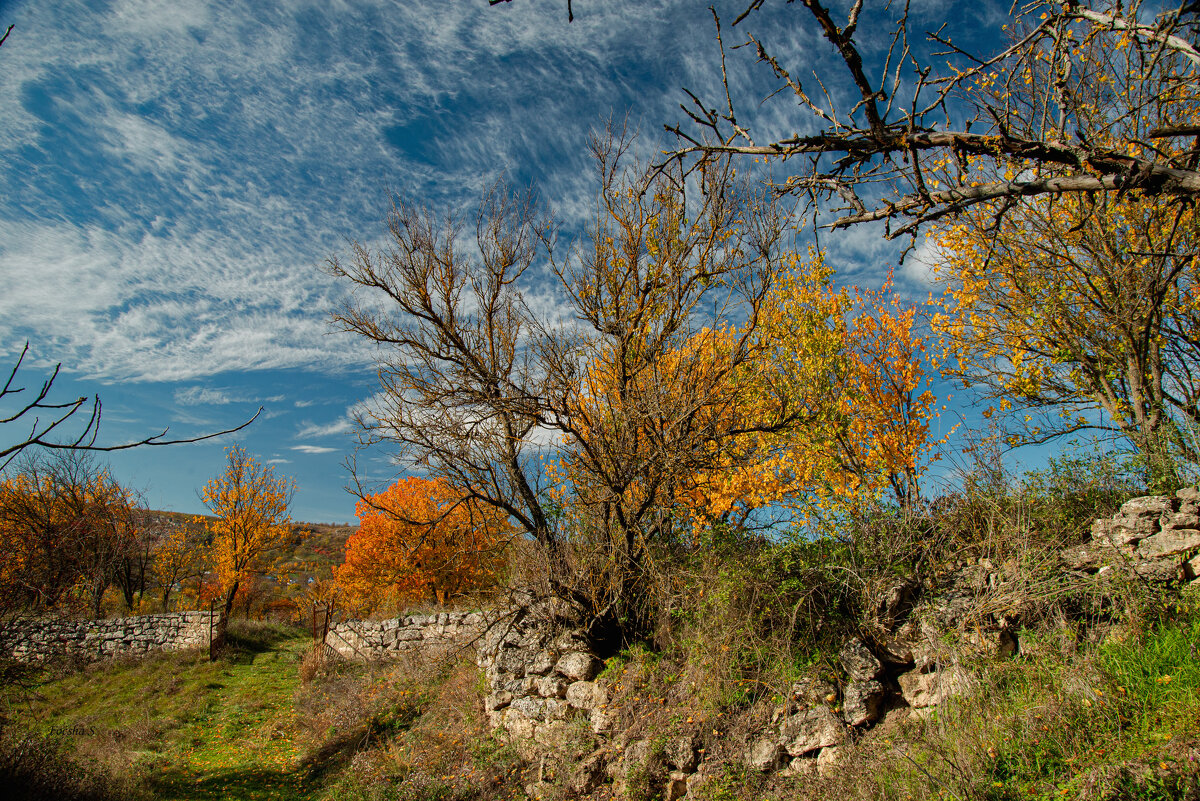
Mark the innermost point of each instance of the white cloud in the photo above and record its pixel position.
(175, 173)
(196, 396)
(337, 427)
(313, 449)
(921, 264)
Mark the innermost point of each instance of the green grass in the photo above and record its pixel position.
(193, 729)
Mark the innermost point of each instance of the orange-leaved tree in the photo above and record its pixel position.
(251, 508)
(420, 540)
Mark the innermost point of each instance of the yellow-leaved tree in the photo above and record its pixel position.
(1080, 311)
(1061, 310)
(251, 508)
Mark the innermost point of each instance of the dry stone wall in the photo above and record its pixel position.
(544, 684)
(387, 639)
(1156, 536)
(42, 639)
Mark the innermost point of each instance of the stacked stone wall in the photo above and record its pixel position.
(42, 639)
(388, 639)
(544, 684)
(1157, 536)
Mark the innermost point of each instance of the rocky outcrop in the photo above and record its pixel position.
(539, 674)
(44, 639)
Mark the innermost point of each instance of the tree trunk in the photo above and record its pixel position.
(218, 643)
(98, 598)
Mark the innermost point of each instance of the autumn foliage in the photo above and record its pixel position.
(419, 541)
(850, 365)
(250, 504)
(65, 525)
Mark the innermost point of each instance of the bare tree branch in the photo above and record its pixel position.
(42, 417)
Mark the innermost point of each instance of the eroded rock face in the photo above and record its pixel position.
(1155, 536)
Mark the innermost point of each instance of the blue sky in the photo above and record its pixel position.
(174, 174)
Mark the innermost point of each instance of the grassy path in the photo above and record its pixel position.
(196, 729)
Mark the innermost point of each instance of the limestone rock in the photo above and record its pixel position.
(497, 700)
(1169, 543)
(922, 690)
(539, 708)
(551, 687)
(1168, 569)
(765, 755)
(812, 691)
(1148, 506)
(586, 695)
(861, 702)
(827, 759)
(1180, 519)
(816, 728)
(1188, 494)
(676, 787)
(681, 754)
(858, 661)
(588, 774)
(639, 759)
(800, 767)
(1122, 530)
(578, 666)
(603, 721)
(541, 663)
(1192, 567)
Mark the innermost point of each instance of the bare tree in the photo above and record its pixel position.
(631, 391)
